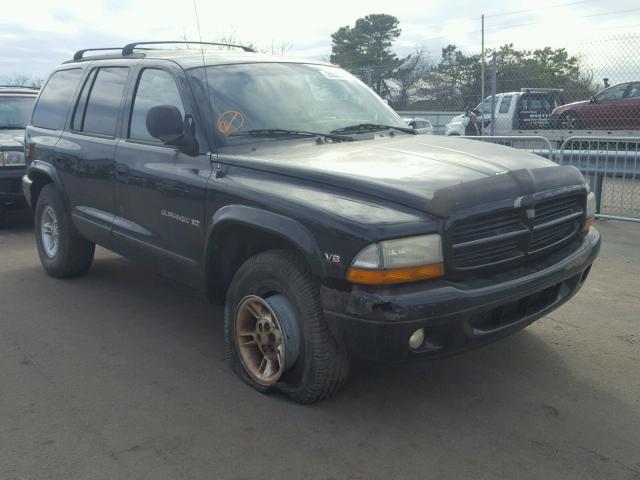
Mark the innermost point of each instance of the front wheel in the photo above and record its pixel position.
(63, 253)
(275, 333)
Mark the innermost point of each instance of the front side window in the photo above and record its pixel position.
(485, 106)
(155, 88)
(15, 110)
(613, 93)
(98, 105)
(288, 96)
(53, 104)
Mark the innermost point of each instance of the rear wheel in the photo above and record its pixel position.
(63, 253)
(275, 333)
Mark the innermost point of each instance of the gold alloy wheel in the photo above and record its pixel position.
(259, 340)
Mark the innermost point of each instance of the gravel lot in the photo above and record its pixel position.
(120, 375)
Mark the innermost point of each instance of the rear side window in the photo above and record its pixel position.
(99, 103)
(634, 91)
(155, 87)
(505, 104)
(537, 104)
(53, 104)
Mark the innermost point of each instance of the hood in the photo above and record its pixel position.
(13, 138)
(571, 105)
(439, 175)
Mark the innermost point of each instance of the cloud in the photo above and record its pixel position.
(37, 35)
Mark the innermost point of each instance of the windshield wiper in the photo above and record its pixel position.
(10, 126)
(372, 127)
(282, 132)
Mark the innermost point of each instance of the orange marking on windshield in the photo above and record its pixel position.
(229, 122)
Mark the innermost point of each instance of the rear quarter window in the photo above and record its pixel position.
(51, 110)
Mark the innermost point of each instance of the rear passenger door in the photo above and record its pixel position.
(161, 190)
(85, 153)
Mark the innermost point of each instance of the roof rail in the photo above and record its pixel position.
(20, 86)
(128, 49)
(80, 53)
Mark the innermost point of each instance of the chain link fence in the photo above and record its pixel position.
(594, 86)
(578, 105)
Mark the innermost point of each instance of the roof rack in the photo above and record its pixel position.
(80, 53)
(128, 49)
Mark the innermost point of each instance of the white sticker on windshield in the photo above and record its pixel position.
(334, 73)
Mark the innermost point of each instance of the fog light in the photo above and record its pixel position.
(417, 339)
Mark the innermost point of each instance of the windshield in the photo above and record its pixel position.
(15, 112)
(288, 96)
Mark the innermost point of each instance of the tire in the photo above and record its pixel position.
(570, 121)
(321, 365)
(63, 253)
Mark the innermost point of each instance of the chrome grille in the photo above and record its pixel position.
(508, 236)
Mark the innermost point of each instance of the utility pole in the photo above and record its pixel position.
(493, 94)
(482, 64)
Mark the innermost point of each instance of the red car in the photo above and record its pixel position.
(617, 107)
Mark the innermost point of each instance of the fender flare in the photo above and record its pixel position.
(284, 227)
(40, 167)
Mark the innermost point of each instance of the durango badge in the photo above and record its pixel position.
(180, 218)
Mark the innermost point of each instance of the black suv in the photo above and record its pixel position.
(16, 104)
(290, 192)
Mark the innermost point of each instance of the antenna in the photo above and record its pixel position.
(206, 79)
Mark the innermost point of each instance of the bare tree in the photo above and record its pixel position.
(281, 48)
(22, 80)
(407, 78)
(18, 79)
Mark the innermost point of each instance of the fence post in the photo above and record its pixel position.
(370, 77)
(493, 95)
(596, 183)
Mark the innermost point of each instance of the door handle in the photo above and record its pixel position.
(122, 171)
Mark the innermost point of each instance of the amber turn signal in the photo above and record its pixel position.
(588, 224)
(364, 276)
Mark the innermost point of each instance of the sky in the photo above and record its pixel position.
(37, 35)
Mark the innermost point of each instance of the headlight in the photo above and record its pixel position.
(591, 211)
(397, 261)
(11, 159)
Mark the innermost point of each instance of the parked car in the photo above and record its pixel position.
(528, 109)
(617, 107)
(301, 201)
(16, 104)
(420, 125)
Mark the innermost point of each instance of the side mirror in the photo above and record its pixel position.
(593, 99)
(165, 123)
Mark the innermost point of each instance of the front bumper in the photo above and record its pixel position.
(376, 323)
(11, 195)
